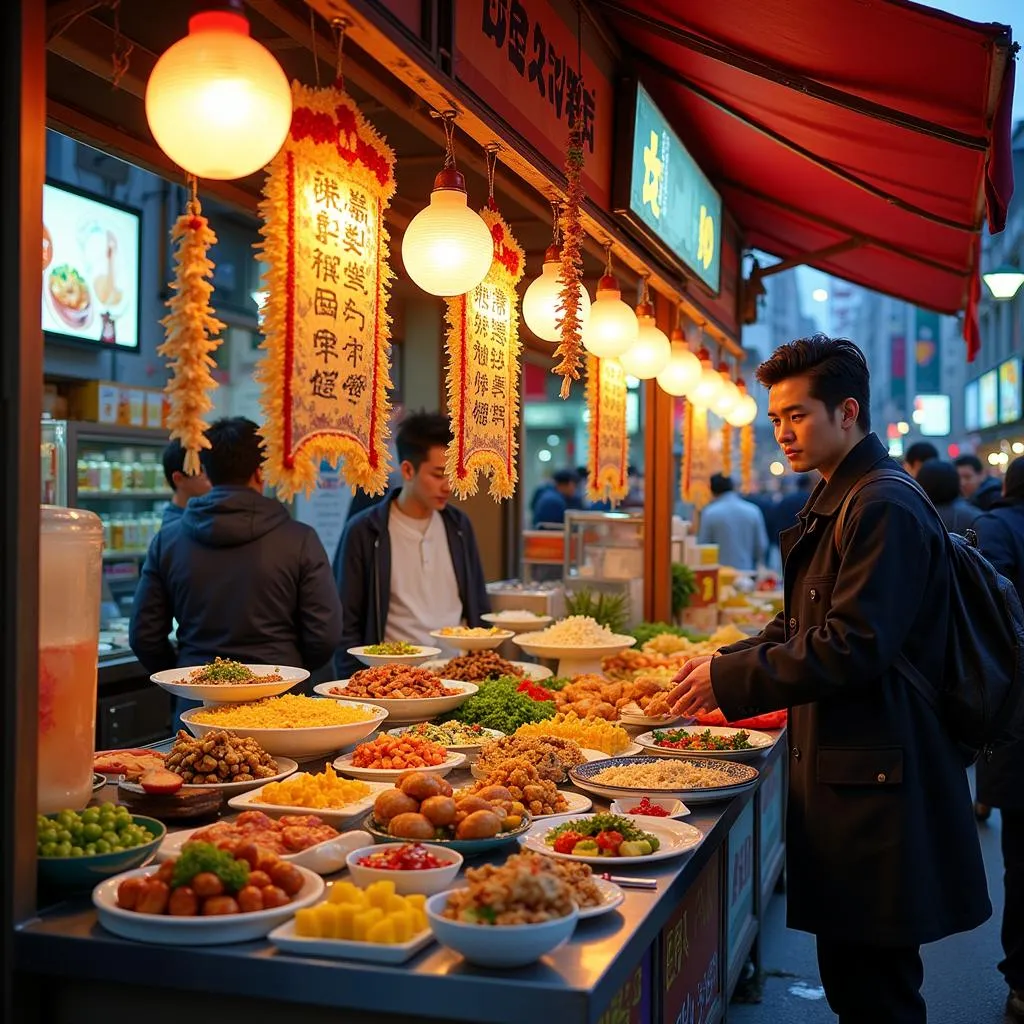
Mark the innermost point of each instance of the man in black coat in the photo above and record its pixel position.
(409, 565)
(882, 849)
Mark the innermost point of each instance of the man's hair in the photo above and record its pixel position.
(920, 451)
(174, 462)
(418, 433)
(834, 367)
(971, 460)
(721, 484)
(940, 481)
(235, 452)
(566, 476)
(1013, 483)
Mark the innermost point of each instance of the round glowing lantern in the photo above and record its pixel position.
(651, 351)
(447, 248)
(683, 369)
(612, 326)
(729, 394)
(709, 385)
(217, 102)
(744, 411)
(542, 302)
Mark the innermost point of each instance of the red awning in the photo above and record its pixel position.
(878, 121)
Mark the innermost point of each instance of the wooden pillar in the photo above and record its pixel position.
(659, 499)
(22, 173)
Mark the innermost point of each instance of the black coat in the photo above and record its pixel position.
(882, 845)
(1001, 539)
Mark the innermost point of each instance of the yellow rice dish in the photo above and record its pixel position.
(292, 711)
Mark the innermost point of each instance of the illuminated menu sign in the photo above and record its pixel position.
(1009, 391)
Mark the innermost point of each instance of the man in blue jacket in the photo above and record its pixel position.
(242, 578)
(409, 564)
(183, 487)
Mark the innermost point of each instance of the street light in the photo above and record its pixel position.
(1004, 282)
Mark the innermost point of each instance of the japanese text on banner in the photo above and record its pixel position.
(608, 458)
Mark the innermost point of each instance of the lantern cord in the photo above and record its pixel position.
(448, 120)
(193, 188)
(608, 259)
(491, 160)
(645, 296)
(340, 26)
(556, 222)
(313, 45)
(122, 52)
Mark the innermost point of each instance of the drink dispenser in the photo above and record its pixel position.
(70, 580)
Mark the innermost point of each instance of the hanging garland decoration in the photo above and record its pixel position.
(726, 448)
(747, 457)
(326, 374)
(608, 447)
(695, 478)
(192, 332)
(483, 367)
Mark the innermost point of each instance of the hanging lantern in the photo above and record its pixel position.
(612, 326)
(217, 102)
(728, 396)
(447, 248)
(683, 368)
(651, 351)
(745, 410)
(542, 303)
(709, 385)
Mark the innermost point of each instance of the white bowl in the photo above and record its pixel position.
(498, 945)
(524, 625)
(474, 643)
(338, 817)
(404, 710)
(759, 743)
(412, 660)
(471, 750)
(344, 765)
(314, 741)
(676, 808)
(173, 681)
(427, 881)
(196, 931)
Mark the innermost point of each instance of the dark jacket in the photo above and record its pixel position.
(172, 514)
(882, 845)
(958, 515)
(362, 571)
(549, 509)
(988, 495)
(244, 581)
(1001, 539)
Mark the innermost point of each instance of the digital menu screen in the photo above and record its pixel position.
(971, 411)
(1009, 390)
(90, 269)
(988, 399)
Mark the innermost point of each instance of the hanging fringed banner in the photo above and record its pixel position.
(695, 479)
(326, 376)
(747, 458)
(191, 333)
(483, 372)
(608, 455)
(726, 449)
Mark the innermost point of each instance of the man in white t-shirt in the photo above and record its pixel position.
(410, 564)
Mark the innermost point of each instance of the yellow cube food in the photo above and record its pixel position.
(403, 924)
(395, 904)
(383, 932)
(377, 894)
(417, 900)
(307, 923)
(364, 921)
(346, 892)
(345, 920)
(419, 921)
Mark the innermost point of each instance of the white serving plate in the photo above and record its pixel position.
(524, 625)
(473, 643)
(405, 710)
(574, 661)
(625, 718)
(744, 777)
(196, 931)
(412, 660)
(676, 808)
(675, 838)
(471, 750)
(173, 681)
(612, 896)
(286, 765)
(305, 743)
(285, 939)
(577, 804)
(759, 743)
(599, 755)
(344, 765)
(324, 858)
(339, 817)
(530, 670)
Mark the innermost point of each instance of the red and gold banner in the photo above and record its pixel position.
(726, 449)
(326, 375)
(695, 479)
(608, 455)
(747, 458)
(483, 372)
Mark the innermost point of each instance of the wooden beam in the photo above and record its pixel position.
(809, 258)
(88, 44)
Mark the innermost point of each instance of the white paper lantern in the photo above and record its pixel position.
(728, 396)
(744, 411)
(709, 386)
(542, 302)
(447, 249)
(217, 102)
(683, 369)
(612, 327)
(651, 351)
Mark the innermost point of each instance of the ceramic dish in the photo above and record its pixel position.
(612, 897)
(404, 710)
(303, 743)
(599, 755)
(471, 750)
(174, 680)
(324, 858)
(196, 931)
(426, 881)
(741, 778)
(372, 660)
(521, 625)
(674, 837)
(759, 743)
(286, 940)
(529, 669)
(574, 661)
(576, 803)
(467, 847)
(286, 766)
(473, 643)
(339, 817)
(661, 722)
(676, 808)
(344, 765)
(98, 781)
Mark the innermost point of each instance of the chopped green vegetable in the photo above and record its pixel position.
(649, 630)
(499, 705)
(392, 648)
(586, 848)
(636, 848)
(198, 857)
(223, 670)
(602, 823)
(555, 683)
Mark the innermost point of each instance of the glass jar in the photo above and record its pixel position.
(116, 534)
(139, 482)
(93, 472)
(117, 476)
(82, 468)
(70, 580)
(104, 476)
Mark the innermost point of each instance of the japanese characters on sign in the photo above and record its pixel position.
(608, 455)
(326, 377)
(483, 372)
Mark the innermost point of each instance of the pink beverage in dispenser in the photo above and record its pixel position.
(70, 580)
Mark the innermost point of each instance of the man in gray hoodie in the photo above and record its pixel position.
(242, 578)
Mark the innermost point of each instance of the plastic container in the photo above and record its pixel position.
(70, 580)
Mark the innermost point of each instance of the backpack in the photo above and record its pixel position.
(980, 699)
